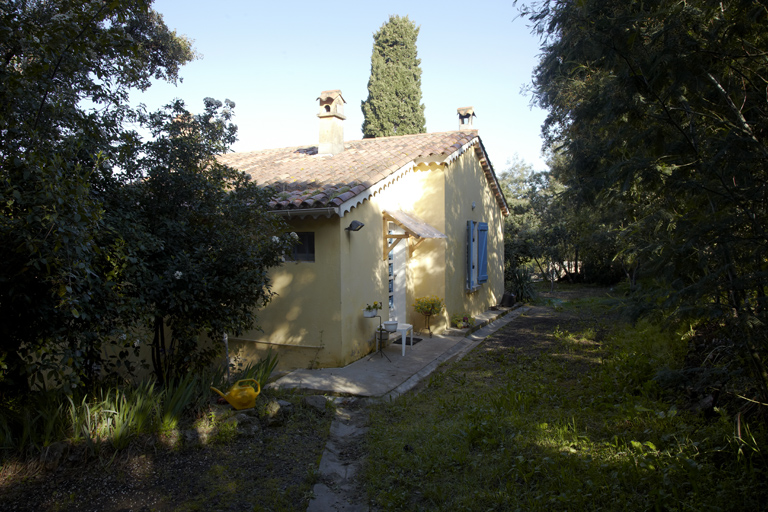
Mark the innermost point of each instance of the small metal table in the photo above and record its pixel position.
(379, 344)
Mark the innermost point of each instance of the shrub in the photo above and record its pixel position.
(520, 282)
(428, 306)
(259, 371)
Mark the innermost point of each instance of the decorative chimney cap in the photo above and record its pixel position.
(465, 117)
(331, 104)
(463, 111)
(332, 95)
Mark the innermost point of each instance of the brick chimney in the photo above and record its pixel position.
(331, 123)
(465, 118)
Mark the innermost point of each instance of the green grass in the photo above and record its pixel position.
(579, 426)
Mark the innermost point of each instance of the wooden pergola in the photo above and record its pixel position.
(415, 229)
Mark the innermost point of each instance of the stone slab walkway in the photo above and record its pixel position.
(378, 376)
(375, 378)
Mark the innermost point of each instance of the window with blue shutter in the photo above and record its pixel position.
(482, 252)
(470, 259)
(477, 254)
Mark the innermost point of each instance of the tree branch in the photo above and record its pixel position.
(744, 125)
(61, 59)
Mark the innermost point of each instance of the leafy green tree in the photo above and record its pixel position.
(206, 240)
(102, 233)
(551, 232)
(65, 71)
(661, 109)
(588, 233)
(537, 230)
(553, 235)
(394, 103)
(520, 244)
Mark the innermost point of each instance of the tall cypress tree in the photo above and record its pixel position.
(394, 103)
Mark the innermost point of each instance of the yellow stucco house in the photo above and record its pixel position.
(387, 219)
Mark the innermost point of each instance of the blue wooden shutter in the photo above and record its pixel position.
(482, 252)
(470, 263)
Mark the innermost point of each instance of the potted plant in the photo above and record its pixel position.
(462, 320)
(371, 310)
(428, 306)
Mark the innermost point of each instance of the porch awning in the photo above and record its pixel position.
(413, 226)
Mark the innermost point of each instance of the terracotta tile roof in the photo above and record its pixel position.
(303, 179)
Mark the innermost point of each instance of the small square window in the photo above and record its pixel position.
(304, 250)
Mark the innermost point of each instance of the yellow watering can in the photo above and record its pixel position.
(241, 396)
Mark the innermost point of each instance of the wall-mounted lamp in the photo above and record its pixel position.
(355, 225)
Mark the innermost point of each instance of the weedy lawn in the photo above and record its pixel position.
(559, 411)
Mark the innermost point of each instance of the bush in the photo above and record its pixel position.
(259, 371)
(520, 282)
(114, 415)
(428, 306)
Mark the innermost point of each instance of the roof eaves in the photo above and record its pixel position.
(302, 213)
(364, 194)
(434, 158)
(485, 162)
(491, 176)
(461, 150)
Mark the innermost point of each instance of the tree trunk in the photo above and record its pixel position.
(225, 338)
(576, 261)
(158, 347)
(567, 274)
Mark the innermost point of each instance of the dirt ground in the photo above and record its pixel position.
(532, 334)
(272, 469)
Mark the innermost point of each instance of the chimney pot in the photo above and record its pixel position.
(331, 122)
(465, 117)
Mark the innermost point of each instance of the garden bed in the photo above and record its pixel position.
(271, 465)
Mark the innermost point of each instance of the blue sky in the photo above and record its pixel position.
(274, 58)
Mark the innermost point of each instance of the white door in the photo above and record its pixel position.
(396, 261)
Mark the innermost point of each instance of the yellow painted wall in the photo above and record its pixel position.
(427, 265)
(419, 192)
(307, 322)
(466, 183)
(303, 320)
(364, 279)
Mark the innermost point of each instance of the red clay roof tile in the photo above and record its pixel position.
(301, 178)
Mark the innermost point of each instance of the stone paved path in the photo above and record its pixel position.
(339, 488)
